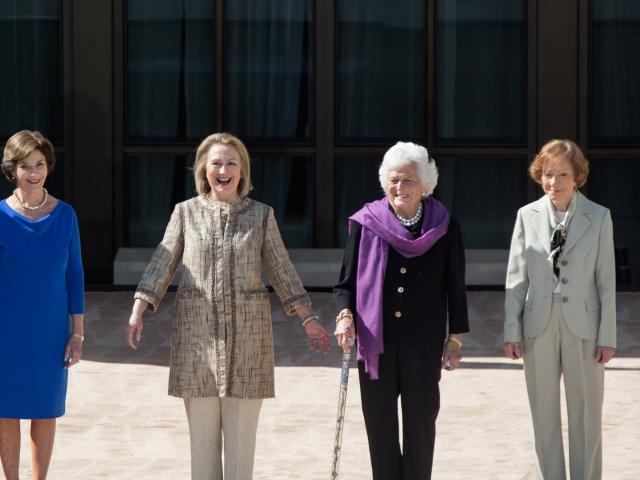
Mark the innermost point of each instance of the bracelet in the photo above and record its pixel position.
(306, 320)
(78, 336)
(455, 341)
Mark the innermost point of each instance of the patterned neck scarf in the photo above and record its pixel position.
(559, 228)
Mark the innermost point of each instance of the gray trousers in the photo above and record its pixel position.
(226, 422)
(554, 354)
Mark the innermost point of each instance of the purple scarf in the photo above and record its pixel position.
(381, 228)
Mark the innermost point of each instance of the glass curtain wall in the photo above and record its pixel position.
(270, 58)
(615, 72)
(380, 70)
(615, 123)
(480, 74)
(170, 70)
(31, 79)
(480, 100)
(268, 96)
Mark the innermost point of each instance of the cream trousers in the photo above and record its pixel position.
(554, 354)
(226, 422)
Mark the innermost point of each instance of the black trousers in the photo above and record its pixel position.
(411, 372)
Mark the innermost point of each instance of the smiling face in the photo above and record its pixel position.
(223, 172)
(559, 181)
(31, 172)
(404, 189)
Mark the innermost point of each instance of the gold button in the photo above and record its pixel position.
(398, 314)
(403, 270)
(400, 289)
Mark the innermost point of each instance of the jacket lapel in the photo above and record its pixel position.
(540, 223)
(579, 224)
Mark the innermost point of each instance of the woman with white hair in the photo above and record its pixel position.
(403, 279)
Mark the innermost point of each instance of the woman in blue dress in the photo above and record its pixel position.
(41, 302)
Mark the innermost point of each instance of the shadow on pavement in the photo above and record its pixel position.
(107, 314)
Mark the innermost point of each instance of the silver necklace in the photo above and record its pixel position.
(410, 222)
(35, 207)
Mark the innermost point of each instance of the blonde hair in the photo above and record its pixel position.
(200, 164)
(20, 146)
(564, 148)
(403, 153)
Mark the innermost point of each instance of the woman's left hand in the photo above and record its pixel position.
(451, 356)
(604, 354)
(318, 336)
(72, 352)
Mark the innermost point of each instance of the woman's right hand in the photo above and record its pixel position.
(345, 331)
(134, 330)
(513, 350)
(135, 325)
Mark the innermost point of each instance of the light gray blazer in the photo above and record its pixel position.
(587, 274)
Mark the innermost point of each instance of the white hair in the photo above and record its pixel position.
(403, 153)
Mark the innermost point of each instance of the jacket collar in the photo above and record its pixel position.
(579, 224)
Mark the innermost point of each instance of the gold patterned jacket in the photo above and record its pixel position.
(221, 334)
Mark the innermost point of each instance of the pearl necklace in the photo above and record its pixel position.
(410, 222)
(29, 207)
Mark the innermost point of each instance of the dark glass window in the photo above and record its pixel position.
(381, 70)
(288, 185)
(357, 183)
(613, 183)
(480, 71)
(615, 71)
(155, 183)
(484, 195)
(270, 59)
(30, 91)
(170, 70)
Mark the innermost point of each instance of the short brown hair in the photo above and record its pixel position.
(20, 146)
(567, 149)
(200, 164)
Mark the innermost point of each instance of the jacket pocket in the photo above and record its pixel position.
(190, 293)
(256, 295)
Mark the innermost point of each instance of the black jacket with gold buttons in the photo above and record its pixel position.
(420, 294)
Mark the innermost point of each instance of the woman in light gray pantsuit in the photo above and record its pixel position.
(560, 305)
(222, 360)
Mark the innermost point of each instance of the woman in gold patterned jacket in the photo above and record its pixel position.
(221, 339)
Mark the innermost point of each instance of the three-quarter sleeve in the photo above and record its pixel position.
(456, 289)
(517, 284)
(280, 270)
(606, 284)
(345, 289)
(164, 262)
(74, 275)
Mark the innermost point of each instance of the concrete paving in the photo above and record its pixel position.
(120, 423)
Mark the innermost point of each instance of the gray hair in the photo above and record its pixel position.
(403, 153)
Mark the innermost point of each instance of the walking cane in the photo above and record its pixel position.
(342, 401)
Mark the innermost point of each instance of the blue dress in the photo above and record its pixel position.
(41, 284)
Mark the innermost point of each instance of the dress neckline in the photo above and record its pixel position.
(15, 213)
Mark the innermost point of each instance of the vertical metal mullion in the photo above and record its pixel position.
(325, 77)
(584, 80)
(220, 67)
(430, 49)
(67, 96)
(119, 120)
(584, 74)
(532, 91)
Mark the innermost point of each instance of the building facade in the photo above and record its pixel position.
(318, 90)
